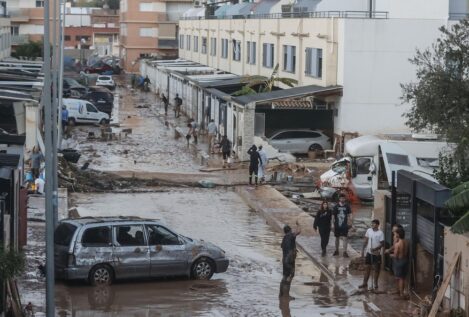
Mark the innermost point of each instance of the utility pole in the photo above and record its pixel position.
(55, 110)
(61, 68)
(49, 126)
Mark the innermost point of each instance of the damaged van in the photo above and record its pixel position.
(102, 249)
(369, 162)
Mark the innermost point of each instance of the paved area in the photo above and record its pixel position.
(279, 211)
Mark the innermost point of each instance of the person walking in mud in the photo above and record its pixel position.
(254, 161)
(322, 221)
(225, 150)
(35, 162)
(194, 130)
(288, 259)
(262, 165)
(342, 223)
(374, 242)
(165, 103)
(177, 106)
(212, 134)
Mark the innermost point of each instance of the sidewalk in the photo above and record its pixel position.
(278, 211)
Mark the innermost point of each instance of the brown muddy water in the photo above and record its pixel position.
(249, 287)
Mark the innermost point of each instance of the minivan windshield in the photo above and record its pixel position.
(64, 234)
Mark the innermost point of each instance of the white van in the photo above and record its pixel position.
(82, 111)
(369, 162)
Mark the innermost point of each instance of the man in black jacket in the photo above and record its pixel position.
(254, 159)
(288, 259)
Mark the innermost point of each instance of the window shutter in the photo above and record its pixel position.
(253, 55)
(264, 54)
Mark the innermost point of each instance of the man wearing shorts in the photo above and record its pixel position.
(254, 161)
(374, 242)
(288, 259)
(400, 260)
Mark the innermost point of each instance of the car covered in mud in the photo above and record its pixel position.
(103, 249)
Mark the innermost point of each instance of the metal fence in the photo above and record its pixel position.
(296, 15)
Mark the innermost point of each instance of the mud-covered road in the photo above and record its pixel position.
(249, 287)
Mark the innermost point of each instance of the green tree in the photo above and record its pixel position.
(264, 84)
(459, 205)
(11, 264)
(439, 98)
(31, 50)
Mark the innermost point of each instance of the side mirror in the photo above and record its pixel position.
(372, 168)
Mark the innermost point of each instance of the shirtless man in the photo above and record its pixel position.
(400, 260)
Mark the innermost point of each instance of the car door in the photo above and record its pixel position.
(92, 112)
(131, 254)
(94, 246)
(297, 141)
(362, 177)
(168, 254)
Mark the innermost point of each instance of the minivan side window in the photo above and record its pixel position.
(96, 237)
(131, 235)
(64, 234)
(90, 108)
(160, 235)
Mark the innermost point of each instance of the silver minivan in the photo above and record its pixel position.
(103, 249)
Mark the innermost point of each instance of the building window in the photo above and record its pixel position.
(181, 41)
(224, 48)
(15, 30)
(188, 42)
(268, 55)
(204, 45)
(289, 58)
(39, 3)
(196, 43)
(251, 53)
(313, 62)
(147, 32)
(82, 37)
(213, 46)
(67, 38)
(236, 50)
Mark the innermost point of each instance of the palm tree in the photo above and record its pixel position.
(459, 204)
(265, 84)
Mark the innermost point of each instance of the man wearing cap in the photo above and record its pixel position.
(288, 259)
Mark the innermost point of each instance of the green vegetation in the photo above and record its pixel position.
(31, 50)
(11, 264)
(264, 84)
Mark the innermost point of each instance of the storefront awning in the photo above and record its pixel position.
(293, 105)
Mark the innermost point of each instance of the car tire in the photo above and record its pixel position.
(203, 269)
(71, 122)
(101, 274)
(315, 148)
(103, 121)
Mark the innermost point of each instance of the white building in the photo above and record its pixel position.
(363, 50)
(5, 35)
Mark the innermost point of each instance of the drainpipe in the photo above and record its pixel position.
(371, 8)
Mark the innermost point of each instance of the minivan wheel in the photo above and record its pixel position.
(101, 275)
(315, 147)
(103, 121)
(202, 269)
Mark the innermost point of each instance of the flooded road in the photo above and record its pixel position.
(249, 287)
(149, 147)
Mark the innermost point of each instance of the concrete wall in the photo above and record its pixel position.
(457, 293)
(5, 38)
(372, 62)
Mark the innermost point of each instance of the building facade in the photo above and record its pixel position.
(92, 28)
(149, 28)
(5, 35)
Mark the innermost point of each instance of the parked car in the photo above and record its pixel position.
(103, 249)
(299, 141)
(98, 68)
(82, 111)
(106, 81)
(101, 97)
(72, 88)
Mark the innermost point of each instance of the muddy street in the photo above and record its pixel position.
(249, 287)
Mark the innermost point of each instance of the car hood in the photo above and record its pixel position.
(202, 246)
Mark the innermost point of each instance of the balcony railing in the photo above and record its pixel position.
(289, 15)
(19, 39)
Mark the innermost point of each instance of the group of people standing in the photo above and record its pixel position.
(339, 219)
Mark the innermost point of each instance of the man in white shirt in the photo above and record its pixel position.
(374, 242)
(39, 184)
(212, 133)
